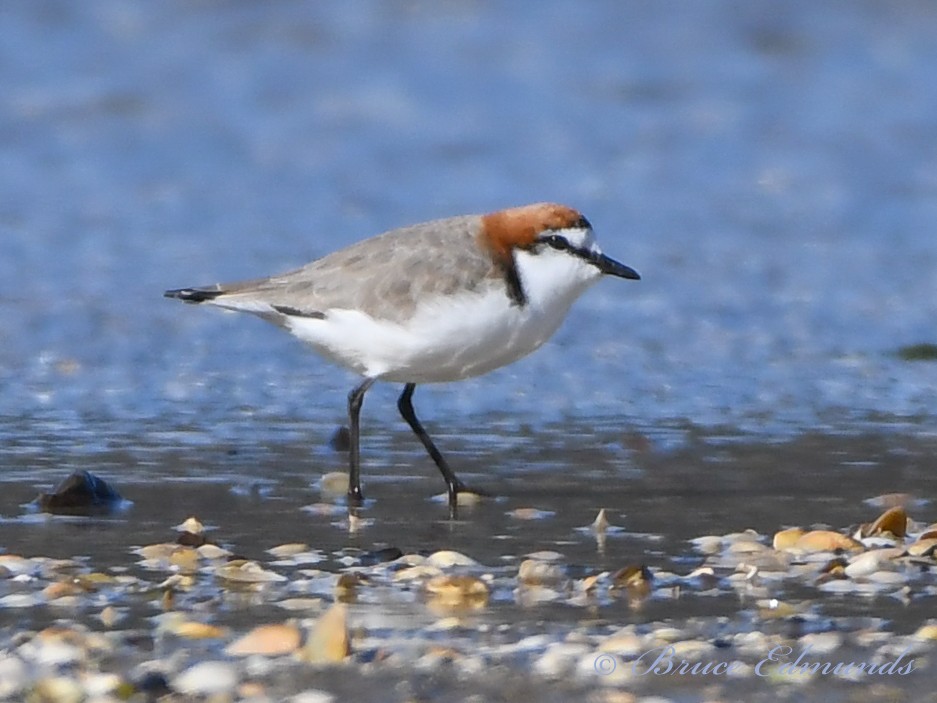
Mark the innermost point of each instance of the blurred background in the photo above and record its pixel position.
(769, 168)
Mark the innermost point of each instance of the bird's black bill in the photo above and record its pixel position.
(608, 265)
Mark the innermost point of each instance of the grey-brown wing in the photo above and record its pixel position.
(384, 276)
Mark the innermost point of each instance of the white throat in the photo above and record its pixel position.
(555, 278)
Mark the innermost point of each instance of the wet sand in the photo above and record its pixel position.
(404, 644)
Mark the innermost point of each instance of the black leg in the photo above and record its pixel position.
(405, 405)
(355, 398)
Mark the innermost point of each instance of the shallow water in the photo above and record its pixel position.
(769, 169)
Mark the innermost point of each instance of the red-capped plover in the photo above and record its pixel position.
(433, 302)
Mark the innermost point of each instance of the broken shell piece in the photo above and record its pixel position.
(746, 546)
(533, 572)
(923, 547)
(826, 541)
(873, 561)
(446, 558)
(247, 572)
(414, 573)
(708, 544)
(928, 631)
(635, 578)
(192, 525)
(12, 565)
(346, 586)
(835, 568)
(191, 533)
(601, 523)
(184, 559)
(61, 589)
(212, 551)
(267, 640)
(458, 591)
(328, 639)
(785, 539)
(588, 584)
(193, 630)
(288, 550)
(893, 521)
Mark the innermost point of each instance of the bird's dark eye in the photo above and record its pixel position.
(556, 241)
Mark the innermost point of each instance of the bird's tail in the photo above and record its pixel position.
(194, 295)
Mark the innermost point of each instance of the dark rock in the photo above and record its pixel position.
(380, 556)
(80, 494)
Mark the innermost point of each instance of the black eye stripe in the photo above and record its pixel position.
(561, 243)
(557, 242)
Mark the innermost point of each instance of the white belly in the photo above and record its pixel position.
(454, 338)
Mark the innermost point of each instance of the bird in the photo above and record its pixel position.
(434, 302)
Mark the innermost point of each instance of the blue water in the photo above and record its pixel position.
(770, 169)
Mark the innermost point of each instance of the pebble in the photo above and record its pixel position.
(13, 565)
(313, 696)
(445, 559)
(458, 590)
(58, 689)
(20, 600)
(100, 684)
(887, 578)
(288, 550)
(708, 544)
(693, 650)
(207, 678)
(822, 643)
(559, 660)
(13, 675)
(870, 562)
(430, 613)
(212, 551)
(247, 572)
(421, 571)
(625, 643)
(746, 546)
(533, 572)
(528, 596)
